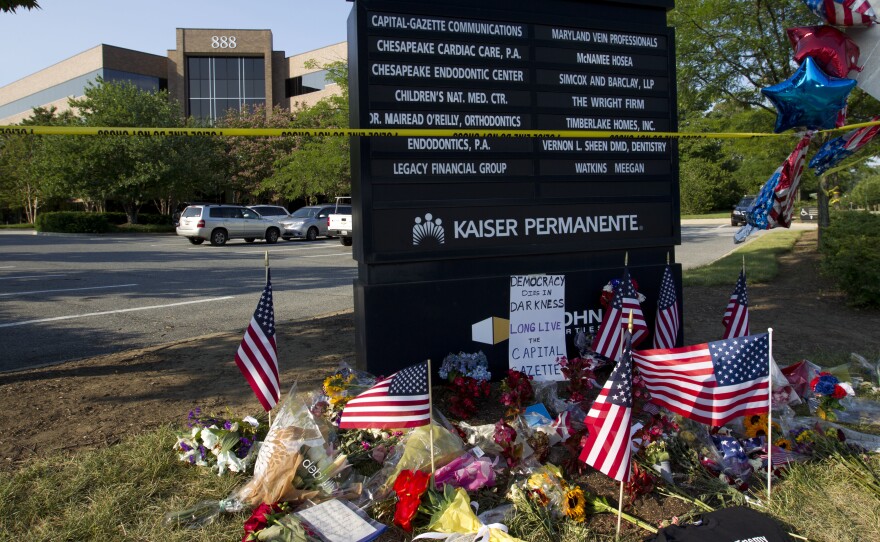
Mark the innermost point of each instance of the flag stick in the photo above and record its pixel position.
(620, 499)
(769, 411)
(667, 258)
(626, 258)
(431, 421)
(267, 282)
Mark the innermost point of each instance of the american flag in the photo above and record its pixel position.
(608, 445)
(786, 187)
(711, 383)
(781, 457)
(736, 315)
(832, 152)
(608, 340)
(843, 12)
(401, 400)
(257, 356)
(668, 316)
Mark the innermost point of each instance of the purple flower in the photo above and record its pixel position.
(185, 447)
(227, 425)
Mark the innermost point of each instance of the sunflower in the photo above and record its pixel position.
(783, 443)
(575, 504)
(759, 420)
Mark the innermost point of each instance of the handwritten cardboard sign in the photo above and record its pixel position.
(537, 325)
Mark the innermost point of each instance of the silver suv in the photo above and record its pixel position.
(219, 223)
(307, 222)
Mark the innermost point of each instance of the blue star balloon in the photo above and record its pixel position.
(808, 98)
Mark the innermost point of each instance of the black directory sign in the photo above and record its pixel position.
(501, 181)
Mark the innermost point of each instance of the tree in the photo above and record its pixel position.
(9, 6)
(867, 192)
(319, 166)
(131, 169)
(251, 160)
(24, 178)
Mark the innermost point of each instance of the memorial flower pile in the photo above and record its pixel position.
(222, 444)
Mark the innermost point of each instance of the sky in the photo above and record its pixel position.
(37, 39)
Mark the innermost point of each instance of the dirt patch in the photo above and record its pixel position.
(96, 402)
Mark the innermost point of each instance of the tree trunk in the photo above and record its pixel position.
(822, 195)
(131, 211)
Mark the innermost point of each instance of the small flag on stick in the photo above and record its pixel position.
(608, 446)
(257, 356)
(610, 336)
(668, 316)
(736, 315)
(399, 401)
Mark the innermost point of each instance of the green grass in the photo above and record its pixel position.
(117, 493)
(760, 260)
(24, 226)
(719, 214)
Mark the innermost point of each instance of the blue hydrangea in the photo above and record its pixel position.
(475, 366)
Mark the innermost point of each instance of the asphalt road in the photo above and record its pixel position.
(67, 297)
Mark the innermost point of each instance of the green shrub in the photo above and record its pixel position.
(851, 256)
(71, 222)
(154, 218)
(115, 217)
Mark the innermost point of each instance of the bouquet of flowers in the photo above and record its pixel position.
(274, 523)
(516, 391)
(580, 376)
(468, 376)
(367, 448)
(828, 392)
(223, 444)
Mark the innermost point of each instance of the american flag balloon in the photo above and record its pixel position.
(834, 151)
(843, 12)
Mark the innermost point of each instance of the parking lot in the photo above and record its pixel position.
(66, 297)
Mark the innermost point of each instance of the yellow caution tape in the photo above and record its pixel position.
(392, 132)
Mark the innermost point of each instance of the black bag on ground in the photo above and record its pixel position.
(736, 524)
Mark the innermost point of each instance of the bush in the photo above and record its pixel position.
(851, 256)
(119, 219)
(70, 222)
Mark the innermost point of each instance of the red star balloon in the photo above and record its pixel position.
(831, 49)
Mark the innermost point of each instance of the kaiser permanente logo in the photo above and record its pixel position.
(432, 229)
(429, 229)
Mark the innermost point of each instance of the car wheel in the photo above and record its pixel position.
(732, 223)
(272, 236)
(219, 237)
(249, 239)
(195, 240)
(346, 241)
(312, 234)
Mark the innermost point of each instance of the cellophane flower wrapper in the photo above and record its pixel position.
(480, 436)
(467, 472)
(459, 518)
(547, 392)
(413, 453)
(295, 463)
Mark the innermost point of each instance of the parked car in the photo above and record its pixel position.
(340, 222)
(275, 212)
(219, 223)
(738, 215)
(307, 222)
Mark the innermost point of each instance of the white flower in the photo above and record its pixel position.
(211, 441)
(228, 460)
(195, 432)
(234, 427)
(252, 421)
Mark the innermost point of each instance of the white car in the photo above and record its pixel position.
(219, 223)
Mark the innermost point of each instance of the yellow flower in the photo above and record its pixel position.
(575, 504)
(759, 420)
(783, 443)
(806, 437)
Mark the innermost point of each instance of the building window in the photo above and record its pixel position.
(217, 84)
(304, 84)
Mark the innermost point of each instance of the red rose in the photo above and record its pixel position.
(839, 392)
(258, 520)
(409, 487)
